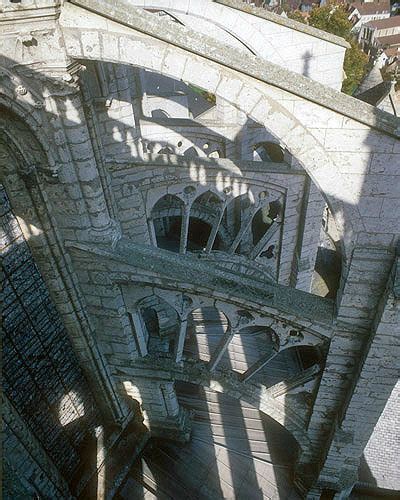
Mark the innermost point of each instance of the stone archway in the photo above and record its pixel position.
(257, 100)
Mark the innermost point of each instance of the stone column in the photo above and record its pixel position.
(180, 341)
(221, 349)
(376, 380)
(162, 414)
(215, 228)
(140, 332)
(365, 285)
(184, 228)
(309, 235)
(238, 238)
(78, 170)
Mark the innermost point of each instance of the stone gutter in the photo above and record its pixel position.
(122, 12)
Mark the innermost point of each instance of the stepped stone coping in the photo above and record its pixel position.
(284, 21)
(232, 166)
(187, 269)
(122, 12)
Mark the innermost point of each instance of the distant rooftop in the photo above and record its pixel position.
(390, 22)
(390, 40)
(392, 51)
(284, 21)
(375, 95)
(370, 8)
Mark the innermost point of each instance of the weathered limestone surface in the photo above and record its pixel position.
(289, 44)
(382, 450)
(40, 473)
(319, 161)
(357, 364)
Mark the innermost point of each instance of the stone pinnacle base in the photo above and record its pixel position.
(173, 428)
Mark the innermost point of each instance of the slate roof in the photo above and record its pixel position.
(375, 95)
(380, 24)
(390, 40)
(370, 8)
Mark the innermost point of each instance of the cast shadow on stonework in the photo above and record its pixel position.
(29, 177)
(41, 375)
(307, 59)
(177, 138)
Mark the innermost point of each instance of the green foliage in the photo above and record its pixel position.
(333, 19)
(296, 16)
(207, 95)
(355, 65)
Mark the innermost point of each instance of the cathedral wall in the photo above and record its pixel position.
(349, 149)
(28, 470)
(41, 373)
(380, 457)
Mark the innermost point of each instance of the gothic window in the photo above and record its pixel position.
(167, 220)
(204, 214)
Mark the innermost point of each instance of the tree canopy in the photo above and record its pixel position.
(331, 18)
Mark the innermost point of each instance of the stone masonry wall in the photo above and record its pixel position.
(302, 52)
(382, 452)
(41, 374)
(138, 187)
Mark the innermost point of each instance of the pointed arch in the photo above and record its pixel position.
(166, 222)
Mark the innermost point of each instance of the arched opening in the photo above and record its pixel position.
(166, 216)
(215, 154)
(204, 215)
(160, 322)
(236, 451)
(309, 355)
(274, 152)
(206, 327)
(166, 150)
(159, 113)
(247, 347)
(198, 234)
(191, 153)
(328, 262)
(268, 151)
(269, 252)
(166, 97)
(260, 224)
(232, 229)
(287, 364)
(263, 220)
